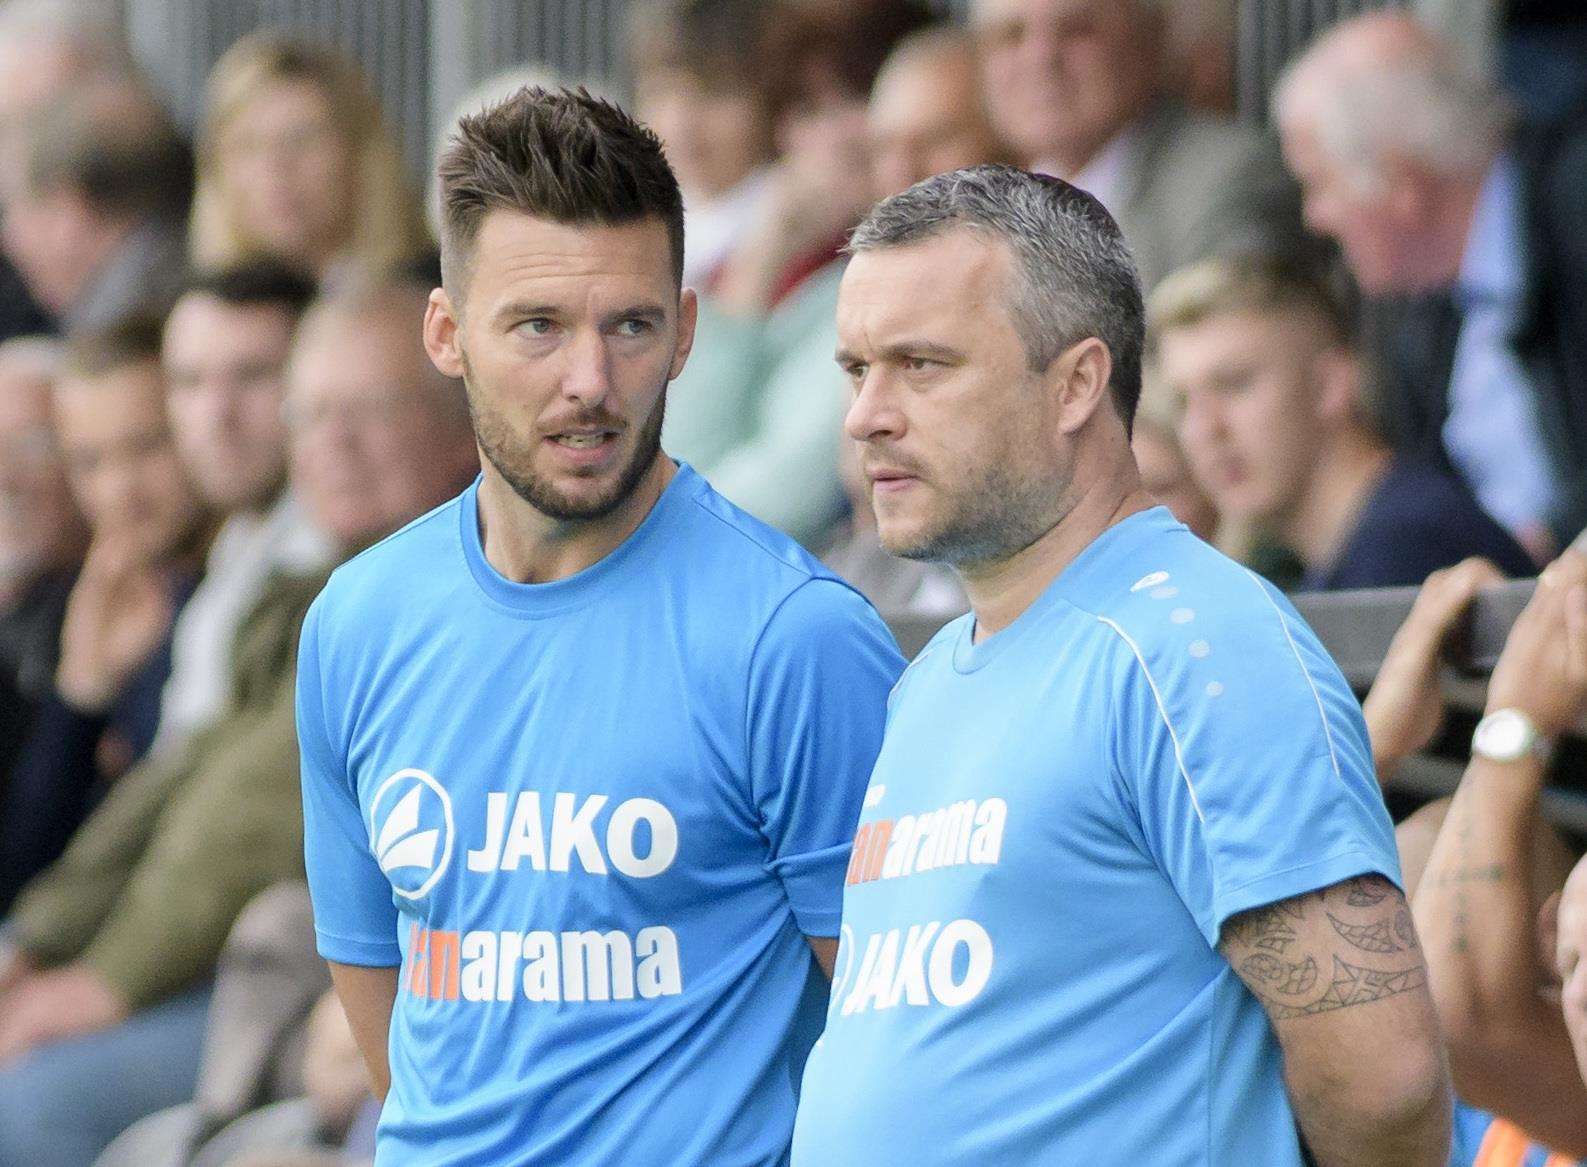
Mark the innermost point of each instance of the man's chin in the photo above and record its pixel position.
(907, 543)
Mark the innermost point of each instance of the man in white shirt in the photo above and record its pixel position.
(225, 353)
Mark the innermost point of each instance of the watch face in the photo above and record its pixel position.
(1503, 736)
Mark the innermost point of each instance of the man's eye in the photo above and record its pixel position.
(536, 326)
(634, 327)
(919, 364)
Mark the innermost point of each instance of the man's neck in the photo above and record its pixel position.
(526, 546)
(1317, 527)
(999, 592)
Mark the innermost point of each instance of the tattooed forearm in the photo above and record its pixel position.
(1491, 873)
(1359, 931)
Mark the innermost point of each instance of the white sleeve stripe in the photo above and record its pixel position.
(1328, 733)
(1162, 710)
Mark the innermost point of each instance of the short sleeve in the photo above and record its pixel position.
(1244, 755)
(818, 686)
(355, 921)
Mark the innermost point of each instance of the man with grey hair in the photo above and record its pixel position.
(1076, 87)
(1124, 889)
(1478, 230)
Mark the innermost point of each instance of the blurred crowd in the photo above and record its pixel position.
(1367, 364)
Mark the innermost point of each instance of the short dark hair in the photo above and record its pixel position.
(117, 148)
(1074, 276)
(133, 340)
(557, 154)
(721, 42)
(254, 283)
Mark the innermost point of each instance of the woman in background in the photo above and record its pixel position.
(295, 163)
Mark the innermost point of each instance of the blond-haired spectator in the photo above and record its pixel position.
(1259, 352)
(295, 163)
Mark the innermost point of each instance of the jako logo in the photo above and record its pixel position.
(411, 831)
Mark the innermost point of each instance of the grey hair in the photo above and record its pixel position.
(1422, 102)
(1074, 277)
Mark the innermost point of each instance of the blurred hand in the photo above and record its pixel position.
(119, 611)
(1543, 668)
(66, 1002)
(1404, 707)
(334, 1077)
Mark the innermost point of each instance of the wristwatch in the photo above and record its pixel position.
(1508, 735)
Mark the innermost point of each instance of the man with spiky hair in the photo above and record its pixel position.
(582, 748)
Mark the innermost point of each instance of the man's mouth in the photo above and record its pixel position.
(582, 441)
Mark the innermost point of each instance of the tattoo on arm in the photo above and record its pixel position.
(1346, 945)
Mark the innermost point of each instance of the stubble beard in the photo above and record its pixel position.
(516, 464)
(992, 516)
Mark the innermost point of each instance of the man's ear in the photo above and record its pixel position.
(441, 334)
(688, 318)
(1336, 380)
(1078, 379)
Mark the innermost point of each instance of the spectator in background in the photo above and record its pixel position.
(115, 648)
(378, 437)
(104, 969)
(94, 209)
(42, 538)
(296, 165)
(925, 115)
(757, 406)
(1077, 87)
(705, 81)
(1166, 476)
(226, 346)
(1408, 159)
(47, 47)
(1262, 357)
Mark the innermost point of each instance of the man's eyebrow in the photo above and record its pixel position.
(931, 350)
(653, 312)
(525, 309)
(904, 350)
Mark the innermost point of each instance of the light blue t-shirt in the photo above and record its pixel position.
(1060, 821)
(593, 820)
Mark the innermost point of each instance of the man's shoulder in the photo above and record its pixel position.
(1185, 612)
(730, 549)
